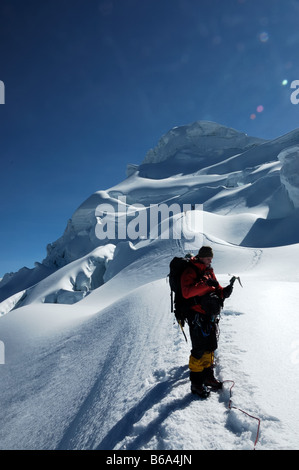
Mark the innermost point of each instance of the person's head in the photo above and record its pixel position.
(205, 255)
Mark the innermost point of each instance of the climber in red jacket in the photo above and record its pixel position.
(199, 283)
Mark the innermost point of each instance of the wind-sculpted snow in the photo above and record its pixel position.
(109, 370)
(226, 171)
(67, 285)
(116, 377)
(202, 139)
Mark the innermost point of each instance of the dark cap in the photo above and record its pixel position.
(205, 252)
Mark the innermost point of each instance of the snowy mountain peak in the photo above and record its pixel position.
(228, 173)
(198, 139)
(60, 363)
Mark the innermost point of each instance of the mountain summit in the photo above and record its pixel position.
(90, 356)
(224, 170)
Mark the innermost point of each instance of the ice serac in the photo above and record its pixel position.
(79, 237)
(205, 163)
(201, 138)
(192, 147)
(289, 173)
(67, 285)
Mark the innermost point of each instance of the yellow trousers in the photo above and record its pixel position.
(198, 365)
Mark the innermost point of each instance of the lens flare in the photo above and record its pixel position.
(264, 36)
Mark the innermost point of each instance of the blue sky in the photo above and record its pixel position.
(91, 85)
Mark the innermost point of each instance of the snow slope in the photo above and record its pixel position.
(110, 370)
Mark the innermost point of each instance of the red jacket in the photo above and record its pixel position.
(192, 287)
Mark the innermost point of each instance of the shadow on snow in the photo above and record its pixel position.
(125, 426)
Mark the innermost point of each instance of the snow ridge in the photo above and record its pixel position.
(93, 357)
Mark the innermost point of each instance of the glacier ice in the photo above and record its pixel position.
(289, 173)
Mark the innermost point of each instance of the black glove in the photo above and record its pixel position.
(227, 291)
(212, 282)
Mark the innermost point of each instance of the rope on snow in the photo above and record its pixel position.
(230, 406)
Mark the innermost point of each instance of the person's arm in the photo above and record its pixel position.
(191, 288)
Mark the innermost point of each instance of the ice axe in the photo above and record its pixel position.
(181, 326)
(235, 278)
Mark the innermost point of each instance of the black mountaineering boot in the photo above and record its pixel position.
(200, 390)
(210, 381)
(197, 385)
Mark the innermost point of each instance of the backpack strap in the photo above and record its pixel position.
(199, 275)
